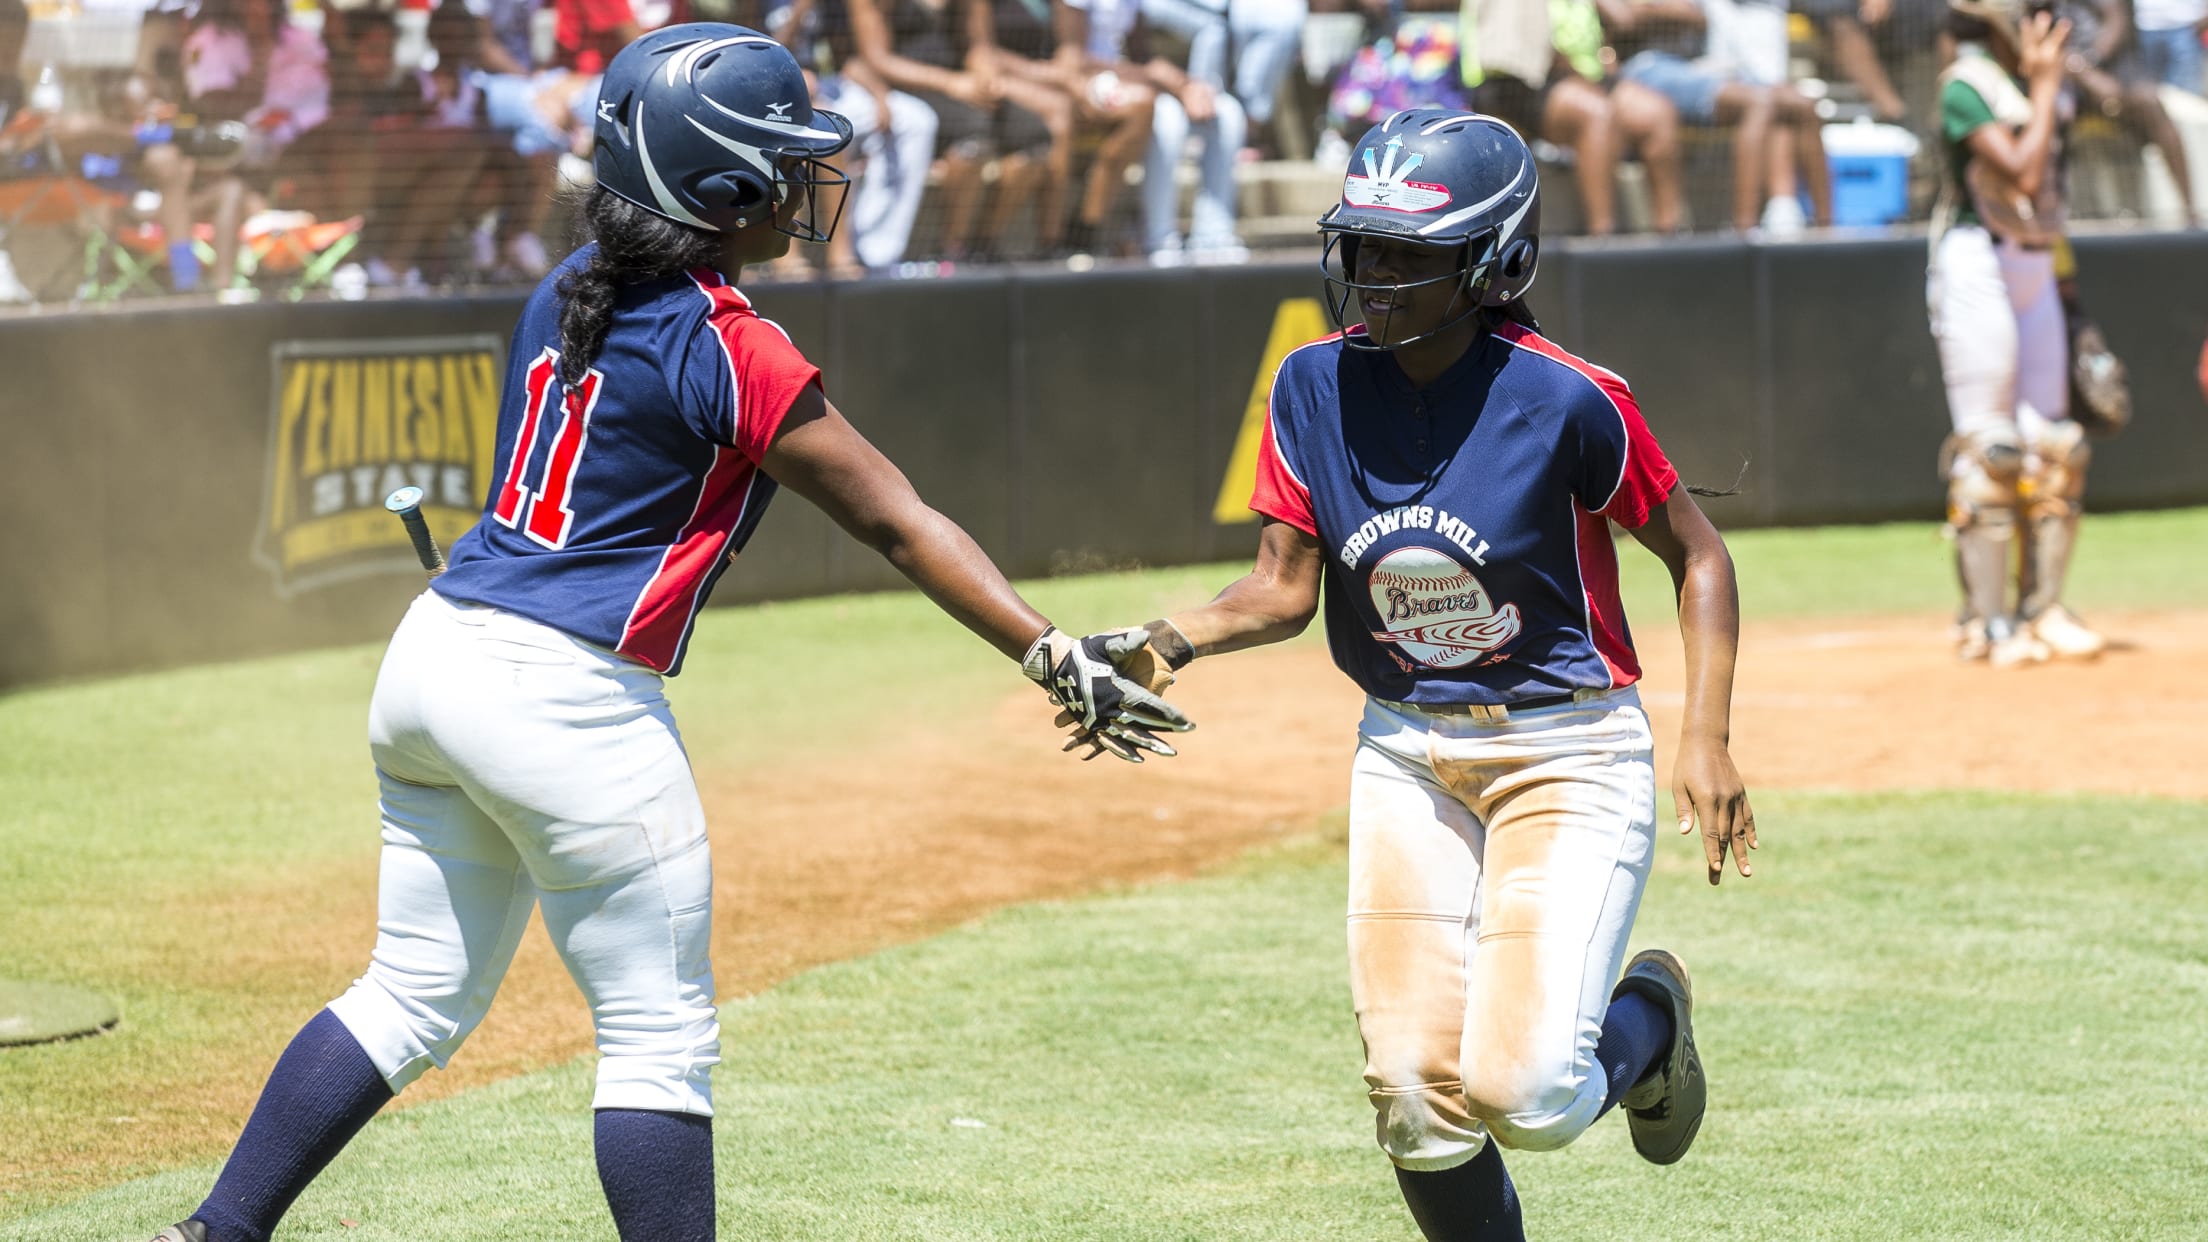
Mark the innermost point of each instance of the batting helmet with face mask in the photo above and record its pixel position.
(1438, 177)
(710, 125)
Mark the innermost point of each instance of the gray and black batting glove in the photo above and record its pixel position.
(1110, 711)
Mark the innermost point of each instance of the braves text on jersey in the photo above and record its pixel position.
(1468, 555)
(617, 503)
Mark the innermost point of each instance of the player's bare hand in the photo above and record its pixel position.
(1107, 708)
(2039, 52)
(1707, 791)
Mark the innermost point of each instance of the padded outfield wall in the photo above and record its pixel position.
(194, 484)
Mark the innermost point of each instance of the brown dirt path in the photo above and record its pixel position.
(854, 852)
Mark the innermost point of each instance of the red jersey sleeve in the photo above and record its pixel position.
(740, 375)
(1627, 482)
(1280, 491)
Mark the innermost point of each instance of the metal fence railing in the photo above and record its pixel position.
(238, 149)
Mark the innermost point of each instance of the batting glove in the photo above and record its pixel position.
(1109, 711)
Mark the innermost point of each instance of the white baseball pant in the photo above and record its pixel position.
(2004, 350)
(1495, 866)
(521, 767)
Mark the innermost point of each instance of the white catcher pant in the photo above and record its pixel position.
(522, 767)
(1495, 866)
(2004, 351)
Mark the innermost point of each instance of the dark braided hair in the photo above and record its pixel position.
(634, 246)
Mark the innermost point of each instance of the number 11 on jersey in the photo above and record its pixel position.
(545, 517)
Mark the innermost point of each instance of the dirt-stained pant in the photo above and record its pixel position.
(522, 768)
(1495, 866)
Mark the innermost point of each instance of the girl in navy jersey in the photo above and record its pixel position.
(525, 752)
(1441, 479)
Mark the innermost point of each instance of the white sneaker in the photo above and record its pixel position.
(2060, 631)
(2013, 646)
(1221, 253)
(1784, 217)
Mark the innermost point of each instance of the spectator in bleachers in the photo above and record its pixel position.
(589, 32)
(2110, 76)
(1041, 46)
(507, 34)
(1858, 36)
(1245, 47)
(943, 52)
(383, 155)
(240, 61)
(1117, 42)
(2169, 41)
(892, 143)
(516, 125)
(1570, 108)
(1665, 44)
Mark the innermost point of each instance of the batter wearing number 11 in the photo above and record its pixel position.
(524, 750)
(1440, 479)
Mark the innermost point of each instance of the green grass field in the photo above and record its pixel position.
(1950, 1015)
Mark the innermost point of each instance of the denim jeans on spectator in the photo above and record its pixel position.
(1689, 85)
(2172, 56)
(887, 198)
(1265, 37)
(1212, 227)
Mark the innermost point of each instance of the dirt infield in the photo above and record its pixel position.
(862, 850)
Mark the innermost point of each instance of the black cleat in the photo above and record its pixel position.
(1664, 1109)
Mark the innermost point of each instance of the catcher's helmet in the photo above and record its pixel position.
(1438, 177)
(710, 125)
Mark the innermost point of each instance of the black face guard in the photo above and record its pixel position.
(812, 175)
(1339, 250)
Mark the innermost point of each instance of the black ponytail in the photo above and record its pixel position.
(634, 246)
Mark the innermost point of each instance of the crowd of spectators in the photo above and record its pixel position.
(987, 130)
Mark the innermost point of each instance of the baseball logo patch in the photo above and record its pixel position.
(1436, 611)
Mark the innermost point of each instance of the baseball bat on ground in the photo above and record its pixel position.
(407, 503)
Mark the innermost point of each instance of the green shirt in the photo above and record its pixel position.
(1962, 111)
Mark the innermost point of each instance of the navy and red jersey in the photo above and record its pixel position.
(618, 502)
(1465, 526)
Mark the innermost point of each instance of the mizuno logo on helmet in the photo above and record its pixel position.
(605, 110)
(780, 112)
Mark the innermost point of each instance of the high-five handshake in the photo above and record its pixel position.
(1109, 686)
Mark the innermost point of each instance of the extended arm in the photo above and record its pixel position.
(1705, 786)
(1271, 603)
(2024, 158)
(823, 458)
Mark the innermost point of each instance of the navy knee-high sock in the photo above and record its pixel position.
(1473, 1202)
(657, 1170)
(1636, 1033)
(322, 1091)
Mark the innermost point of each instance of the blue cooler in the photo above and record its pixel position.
(1870, 172)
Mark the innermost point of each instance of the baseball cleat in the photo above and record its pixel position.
(2012, 645)
(1971, 642)
(1664, 1110)
(2059, 630)
(183, 1231)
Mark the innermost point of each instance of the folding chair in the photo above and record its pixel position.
(74, 204)
(286, 252)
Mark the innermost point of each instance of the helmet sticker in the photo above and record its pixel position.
(1386, 186)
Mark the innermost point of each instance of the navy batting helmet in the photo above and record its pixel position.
(710, 125)
(1438, 177)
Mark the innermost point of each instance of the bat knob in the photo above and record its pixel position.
(403, 499)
